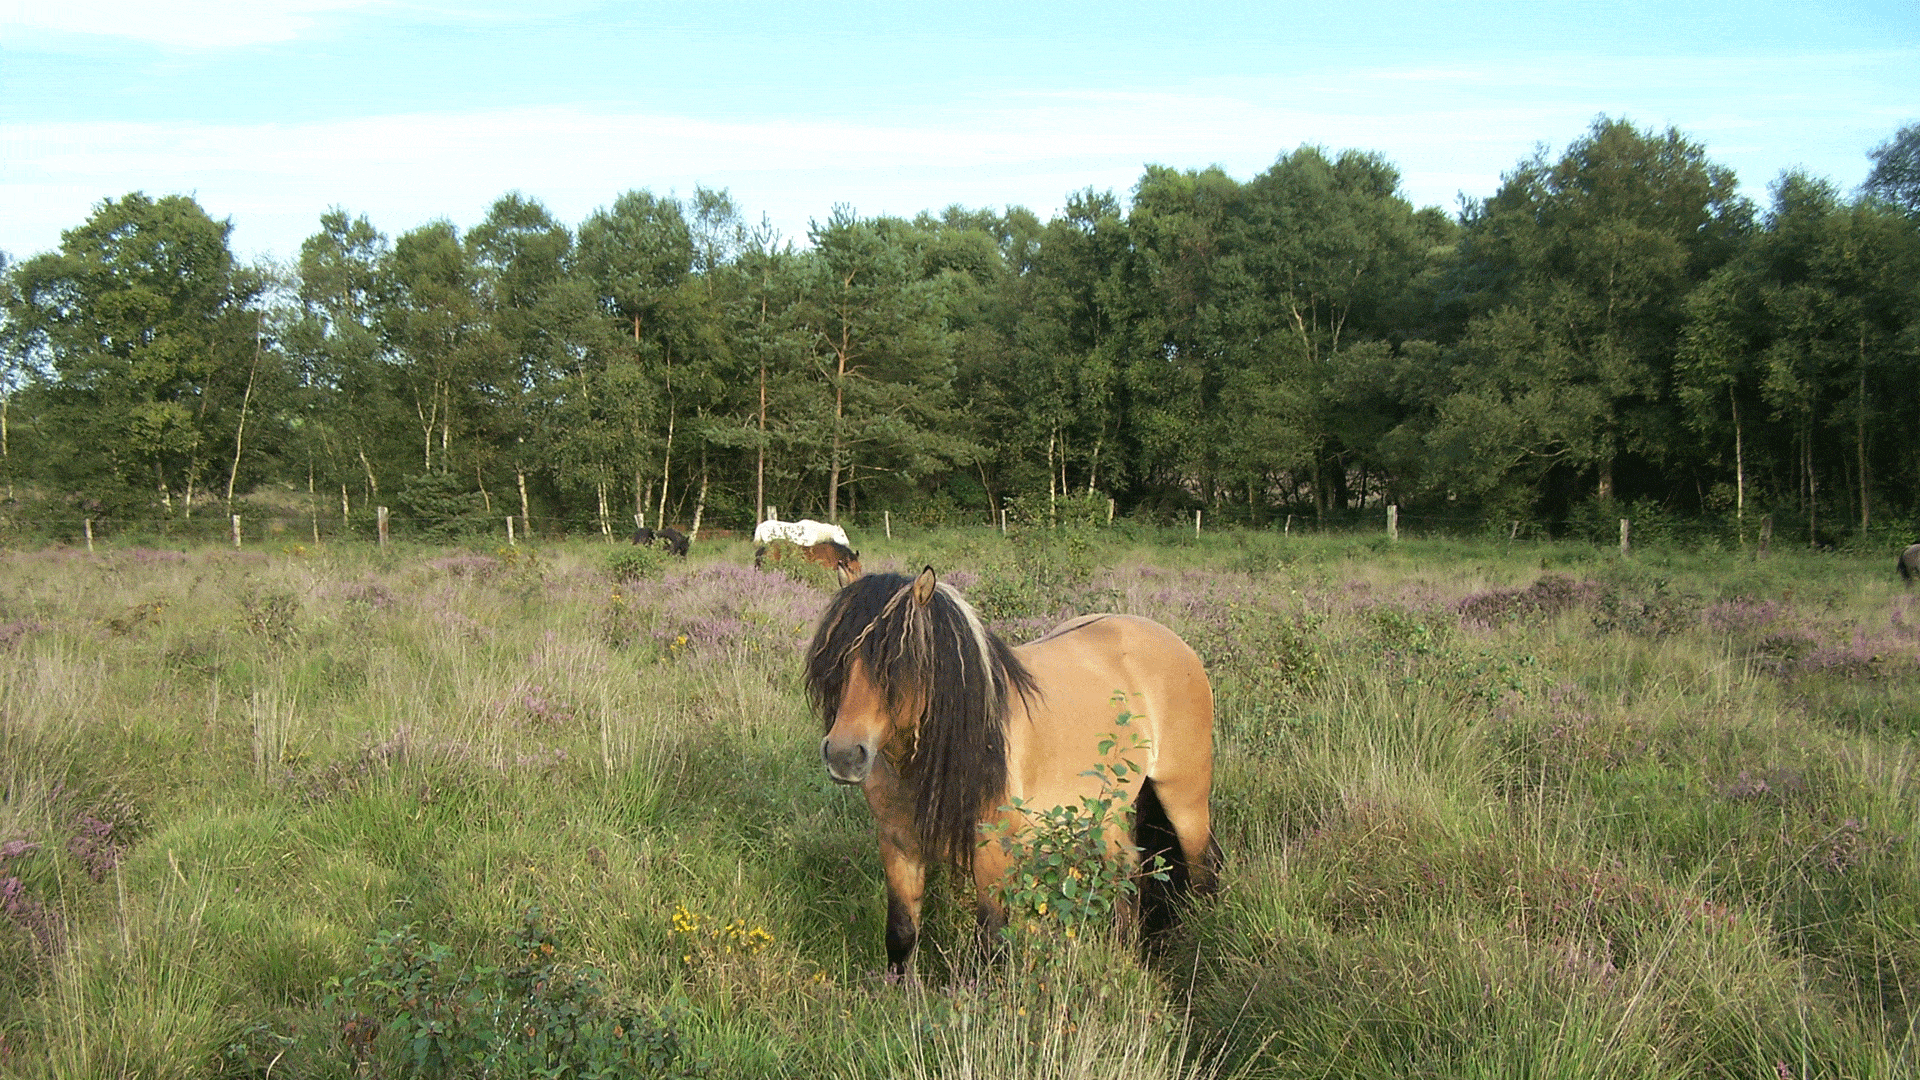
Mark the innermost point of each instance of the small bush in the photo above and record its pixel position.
(438, 507)
(636, 562)
(414, 1004)
(1062, 879)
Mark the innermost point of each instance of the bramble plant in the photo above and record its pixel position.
(536, 1018)
(1063, 876)
(636, 562)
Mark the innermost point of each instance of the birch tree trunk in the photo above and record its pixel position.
(520, 480)
(240, 429)
(1739, 468)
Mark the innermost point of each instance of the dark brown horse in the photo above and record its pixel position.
(1909, 564)
(673, 540)
(947, 729)
(835, 556)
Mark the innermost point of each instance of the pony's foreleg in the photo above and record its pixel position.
(990, 863)
(906, 886)
(900, 859)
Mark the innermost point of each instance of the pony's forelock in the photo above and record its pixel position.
(940, 658)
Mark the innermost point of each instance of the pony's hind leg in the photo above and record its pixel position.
(1175, 839)
(1164, 874)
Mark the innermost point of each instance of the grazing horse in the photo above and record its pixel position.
(806, 532)
(1909, 564)
(944, 726)
(837, 557)
(675, 541)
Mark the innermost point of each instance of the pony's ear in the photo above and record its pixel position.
(847, 576)
(923, 587)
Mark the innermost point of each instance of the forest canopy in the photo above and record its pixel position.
(1615, 327)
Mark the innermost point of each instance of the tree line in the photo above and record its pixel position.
(1613, 327)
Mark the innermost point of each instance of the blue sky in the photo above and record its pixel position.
(271, 111)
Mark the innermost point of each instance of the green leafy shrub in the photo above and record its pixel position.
(1062, 879)
(1644, 604)
(636, 562)
(413, 1004)
(270, 615)
(438, 507)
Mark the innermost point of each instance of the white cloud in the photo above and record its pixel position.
(1448, 131)
(177, 23)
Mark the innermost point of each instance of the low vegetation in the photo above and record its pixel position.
(1486, 809)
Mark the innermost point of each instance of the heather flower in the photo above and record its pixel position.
(96, 845)
(12, 633)
(29, 913)
(366, 593)
(1743, 615)
(1547, 597)
(468, 567)
(152, 556)
(545, 708)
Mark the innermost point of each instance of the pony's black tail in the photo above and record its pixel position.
(1161, 901)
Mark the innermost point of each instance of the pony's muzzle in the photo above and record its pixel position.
(847, 763)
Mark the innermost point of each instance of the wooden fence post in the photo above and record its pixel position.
(1626, 544)
(236, 532)
(510, 540)
(380, 524)
(1288, 531)
(1393, 522)
(1766, 536)
(1196, 523)
(1109, 511)
(886, 518)
(88, 527)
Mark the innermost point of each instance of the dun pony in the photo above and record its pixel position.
(944, 727)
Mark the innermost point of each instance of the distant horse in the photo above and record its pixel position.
(943, 726)
(806, 532)
(837, 557)
(1909, 564)
(675, 541)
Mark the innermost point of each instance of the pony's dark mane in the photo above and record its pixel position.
(940, 657)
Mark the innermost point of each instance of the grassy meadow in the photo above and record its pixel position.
(1488, 810)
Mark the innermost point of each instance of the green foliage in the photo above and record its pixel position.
(637, 562)
(1613, 323)
(1064, 876)
(271, 615)
(439, 507)
(1040, 573)
(416, 1006)
(1639, 601)
(142, 321)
